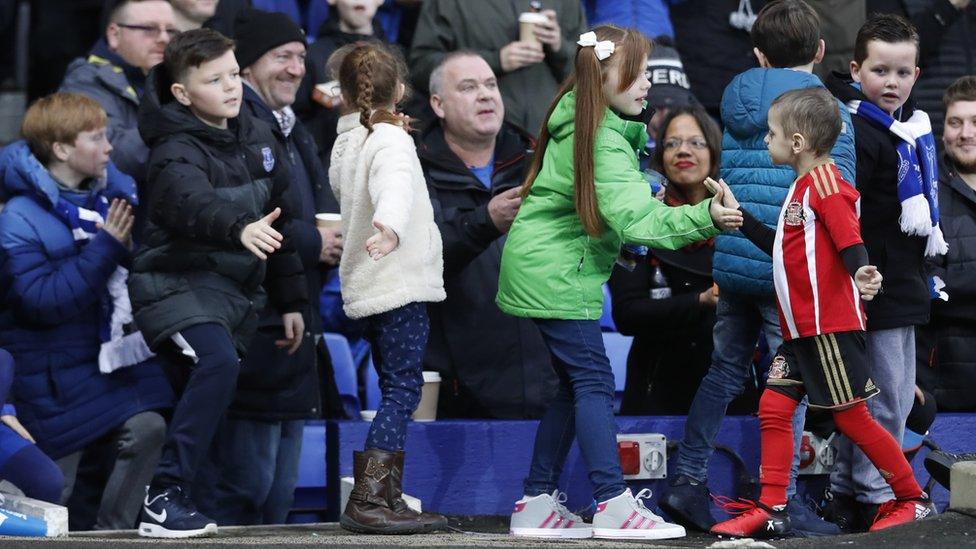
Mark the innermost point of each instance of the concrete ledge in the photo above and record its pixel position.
(963, 480)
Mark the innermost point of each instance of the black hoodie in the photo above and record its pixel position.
(904, 297)
(204, 186)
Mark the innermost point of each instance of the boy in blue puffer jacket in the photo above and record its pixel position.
(82, 372)
(787, 43)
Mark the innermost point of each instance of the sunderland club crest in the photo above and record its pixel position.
(267, 159)
(779, 369)
(794, 216)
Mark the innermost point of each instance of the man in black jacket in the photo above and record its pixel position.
(947, 345)
(253, 461)
(493, 365)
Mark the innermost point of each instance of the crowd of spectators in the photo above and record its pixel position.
(703, 318)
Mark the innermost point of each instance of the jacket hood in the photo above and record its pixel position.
(22, 174)
(160, 116)
(747, 98)
(562, 122)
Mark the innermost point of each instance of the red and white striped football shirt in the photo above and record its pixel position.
(815, 292)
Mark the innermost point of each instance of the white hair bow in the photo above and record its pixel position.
(603, 48)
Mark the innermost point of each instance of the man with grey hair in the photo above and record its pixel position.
(494, 365)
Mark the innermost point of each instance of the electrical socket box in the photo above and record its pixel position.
(643, 455)
(817, 455)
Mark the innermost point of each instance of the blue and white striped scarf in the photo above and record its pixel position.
(918, 173)
(121, 345)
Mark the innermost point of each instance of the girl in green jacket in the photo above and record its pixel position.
(583, 197)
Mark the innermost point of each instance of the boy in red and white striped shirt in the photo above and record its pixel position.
(821, 274)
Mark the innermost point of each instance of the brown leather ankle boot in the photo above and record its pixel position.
(375, 505)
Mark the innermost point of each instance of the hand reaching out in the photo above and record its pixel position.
(381, 243)
(294, 330)
(260, 238)
(119, 221)
(868, 281)
(724, 208)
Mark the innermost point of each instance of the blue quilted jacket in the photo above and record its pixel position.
(51, 290)
(738, 265)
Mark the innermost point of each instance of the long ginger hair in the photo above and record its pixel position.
(589, 74)
(370, 74)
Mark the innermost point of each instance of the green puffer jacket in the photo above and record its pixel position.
(550, 267)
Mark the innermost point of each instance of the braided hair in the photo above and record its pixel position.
(370, 74)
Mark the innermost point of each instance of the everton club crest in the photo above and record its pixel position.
(267, 159)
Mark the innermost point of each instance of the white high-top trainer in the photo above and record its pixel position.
(544, 516)
(626, 517)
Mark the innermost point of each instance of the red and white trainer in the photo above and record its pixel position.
(895, 512)
(545, 516)
(626, 517)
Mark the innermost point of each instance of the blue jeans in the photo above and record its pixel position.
(399, 340)
(582, 408)
(739, 320)
(250, 474)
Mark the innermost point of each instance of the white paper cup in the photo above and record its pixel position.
(427, 409)
(527, 23)
(367, 415)
(328, 220)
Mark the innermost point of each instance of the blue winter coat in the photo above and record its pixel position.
(738, 265)
(51, 290)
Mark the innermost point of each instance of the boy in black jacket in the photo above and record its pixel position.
(196, 284)
(882, 74)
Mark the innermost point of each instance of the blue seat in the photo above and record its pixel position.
(345, 372)
(618, 347)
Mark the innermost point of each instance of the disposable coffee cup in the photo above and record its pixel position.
(367, 415)
(527, 23)
(427, 409)
(328, 220)
(327, 94)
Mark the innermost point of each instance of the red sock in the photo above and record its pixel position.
(776, 430)
(857, 424)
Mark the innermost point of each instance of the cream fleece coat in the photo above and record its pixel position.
(378, 178)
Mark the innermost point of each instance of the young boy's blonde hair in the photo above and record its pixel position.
(59, 118)
(812, 113)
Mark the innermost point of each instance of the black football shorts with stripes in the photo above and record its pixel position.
(832, 369)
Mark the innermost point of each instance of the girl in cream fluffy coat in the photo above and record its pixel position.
(390, 267)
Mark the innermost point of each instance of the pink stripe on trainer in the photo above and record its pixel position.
(570, 524)
(638, 524)
(627, 522)
(548, 519)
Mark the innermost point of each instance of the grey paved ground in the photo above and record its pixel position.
(949, 530)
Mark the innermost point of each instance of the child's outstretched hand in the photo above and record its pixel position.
(260, 238)
(724, 207)
(868, 281)
(381, 243)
